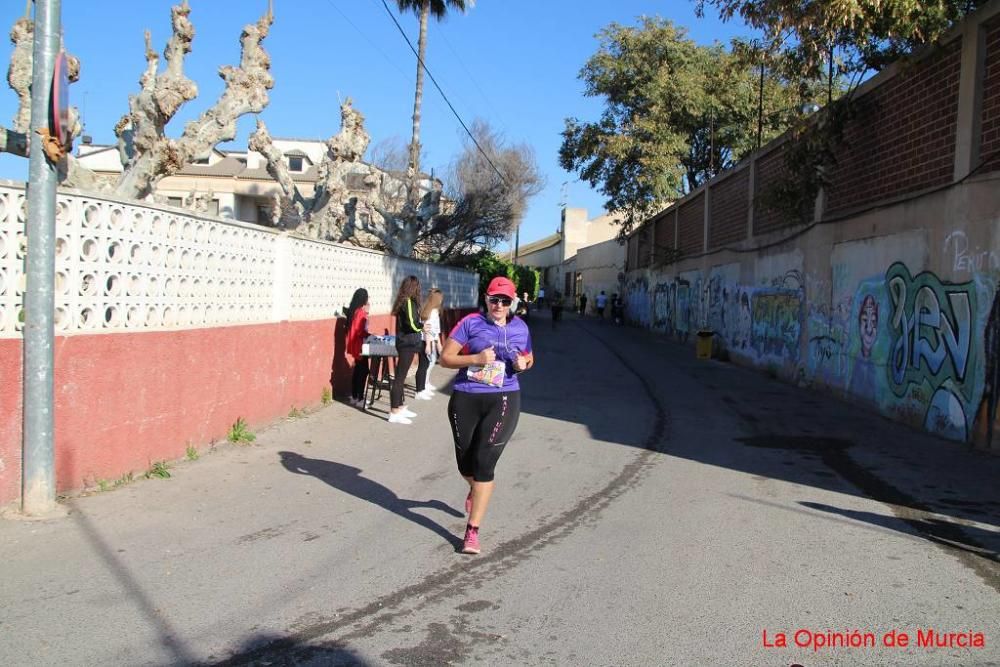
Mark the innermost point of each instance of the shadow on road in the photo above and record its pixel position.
(276, 651)
(169, 638)
(350, 480)
(587, 370)
(935, 530)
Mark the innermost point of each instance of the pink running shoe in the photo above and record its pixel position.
(471, 544)
(468, 504)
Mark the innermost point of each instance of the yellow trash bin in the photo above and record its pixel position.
(703, 344)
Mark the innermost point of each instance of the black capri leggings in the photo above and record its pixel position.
(407, 349)
(482, 424)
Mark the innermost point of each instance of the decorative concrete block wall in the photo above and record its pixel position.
(171, 326)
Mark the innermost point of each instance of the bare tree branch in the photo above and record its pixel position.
(19, 71)
(149, 154)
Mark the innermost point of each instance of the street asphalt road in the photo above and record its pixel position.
(652, 509)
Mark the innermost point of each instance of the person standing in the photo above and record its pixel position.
(557, 308)
(583, 304)
(617, 309)
(600, 303)
(432, 337)
(489, 350)
(408, 346)
(541, 297)
(357, 323)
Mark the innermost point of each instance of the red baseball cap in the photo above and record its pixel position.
(502, 286)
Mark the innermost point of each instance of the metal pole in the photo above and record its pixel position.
(38, 488)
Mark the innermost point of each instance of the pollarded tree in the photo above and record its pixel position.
(359, 203)
(147, 154)
(15, 139)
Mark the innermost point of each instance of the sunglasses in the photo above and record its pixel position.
(501, 300)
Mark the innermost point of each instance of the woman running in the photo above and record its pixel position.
(489, 350)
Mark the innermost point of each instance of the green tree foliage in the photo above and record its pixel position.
(865, 34)
(488, 265)
(838, 41)
(527, 280)
(675, 115)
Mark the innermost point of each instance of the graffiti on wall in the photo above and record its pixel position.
(776, 316)
(931, 323)
(966, 259)
(991, 379)
(638, 301)
(664, 296)
(922, 349)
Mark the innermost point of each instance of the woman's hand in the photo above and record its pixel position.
(520, 363)
(523, 362)
(486, 356)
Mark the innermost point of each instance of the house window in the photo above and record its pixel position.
(263, 215)
(294, 163)
(175, 201)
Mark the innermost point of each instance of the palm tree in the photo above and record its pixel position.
(423, 9)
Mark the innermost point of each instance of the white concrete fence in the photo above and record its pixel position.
(130, 266)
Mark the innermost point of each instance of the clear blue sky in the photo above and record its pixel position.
(513, 63)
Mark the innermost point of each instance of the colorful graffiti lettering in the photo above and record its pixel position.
(931, 323)
(777, 323)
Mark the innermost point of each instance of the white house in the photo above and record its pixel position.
(229, 184)
(583, 257)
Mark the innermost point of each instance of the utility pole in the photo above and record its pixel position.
(38, 484)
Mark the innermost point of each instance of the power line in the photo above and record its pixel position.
(367, 39)
(461, 62)
(447, 101)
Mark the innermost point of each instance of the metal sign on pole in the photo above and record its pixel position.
(38, 483)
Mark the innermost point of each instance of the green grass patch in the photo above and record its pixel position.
(240, 433)
(159, 469)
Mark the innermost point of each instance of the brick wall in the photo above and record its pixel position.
(644, 246)
(663, 237)
(990, 140)
(901, 141)
(771, 170)
(903, 137)
(728, 210)
(691, 221)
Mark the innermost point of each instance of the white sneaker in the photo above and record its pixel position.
(424, 395)
(398, 418)
(406, 412)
